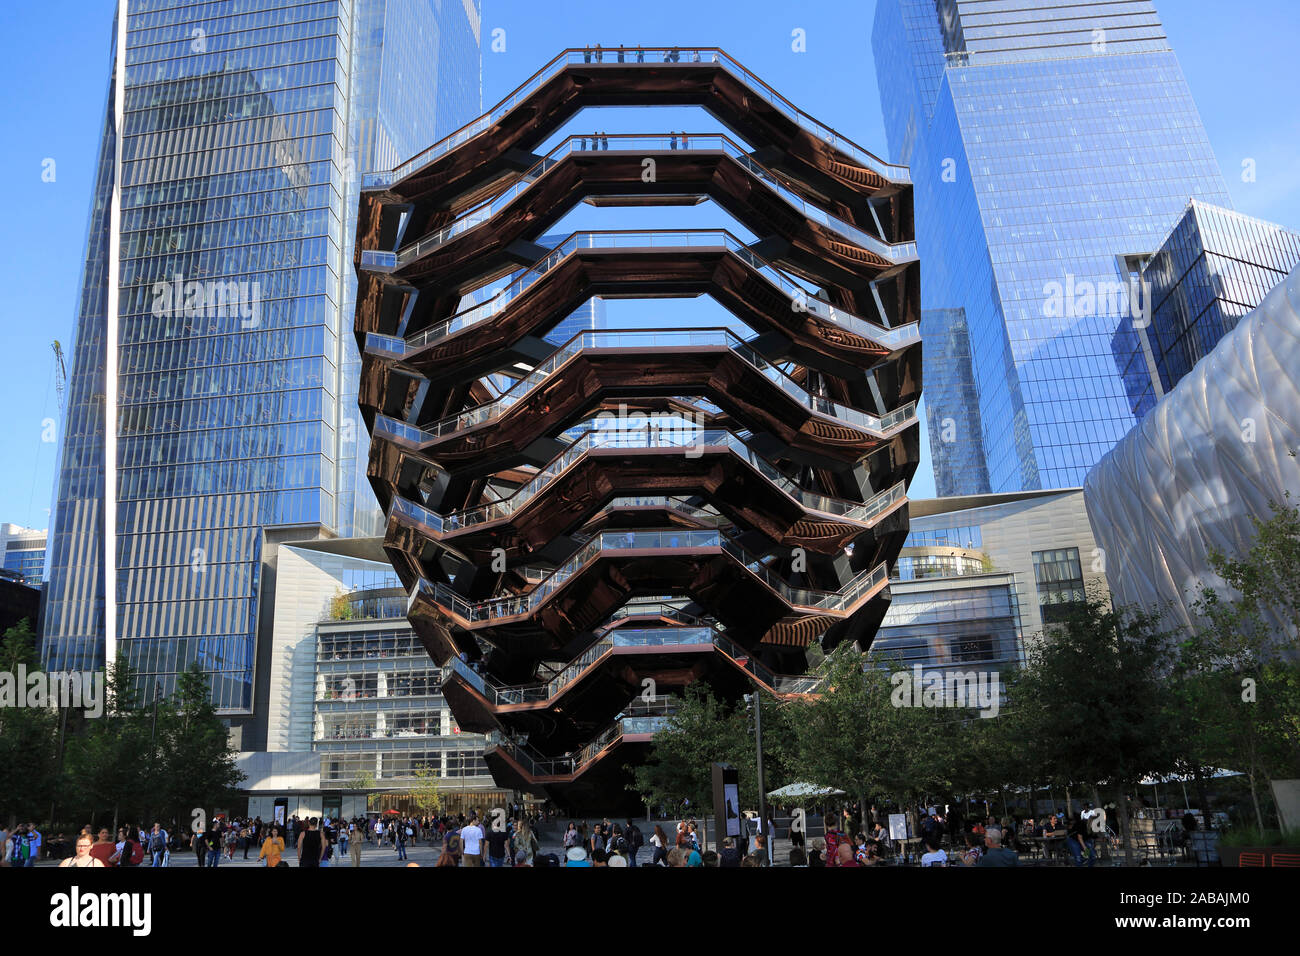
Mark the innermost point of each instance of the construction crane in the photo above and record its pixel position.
(60, 374)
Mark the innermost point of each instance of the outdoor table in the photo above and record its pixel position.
(1054, 843)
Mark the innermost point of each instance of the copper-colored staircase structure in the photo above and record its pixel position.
(586, 530)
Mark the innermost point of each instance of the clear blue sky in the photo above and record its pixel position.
(1239, 60)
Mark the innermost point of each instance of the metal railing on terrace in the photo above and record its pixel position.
(650, 339)
(499, 694)
(800, 298)
(666, 606)
(649, 56)
(612, 541)
(571, 763)
(857, 512)
(640, 144)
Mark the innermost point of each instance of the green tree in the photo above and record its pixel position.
(195, 764)
(29, 776)
(1248, 632)
(855, 737)
(705, 730)
(1095, 701)
(107, 761)
(340, 608)
(425, 794)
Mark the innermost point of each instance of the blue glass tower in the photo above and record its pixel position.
(245, 130)
(1215, 267)
(1052, 146)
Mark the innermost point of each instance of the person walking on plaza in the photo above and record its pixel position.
(158, 852)
(452, 848)
(498, 843)
(354, 849)
(34, 841)
(634, 842)
(272, 848)
(16, 852)
(399, 840)
(311, 846)
(527, 842)
(212, 845)
(659, 840)
(471, 839)
(103, 847)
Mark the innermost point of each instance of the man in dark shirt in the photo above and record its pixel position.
(311, 845)
(730, 855)
(634, 842)
(498, 842)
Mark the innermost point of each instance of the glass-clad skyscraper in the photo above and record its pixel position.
(1052, 146)
(245, 130)
(1214, 268)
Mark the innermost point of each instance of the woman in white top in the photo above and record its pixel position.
(660, 843)
(934, 856)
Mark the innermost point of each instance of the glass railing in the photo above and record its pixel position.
(464, 223)
(476, 216)
(539, 766)
(391, 344)
(857, 512)
(801, 300)
(472, 677)
(647, 56)
(500, 694)
(433, 523)
(378, 261)
(649, 340)
(667, 502)
(665, 606)
(613, 541)
(642, 725)
(799, 685)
